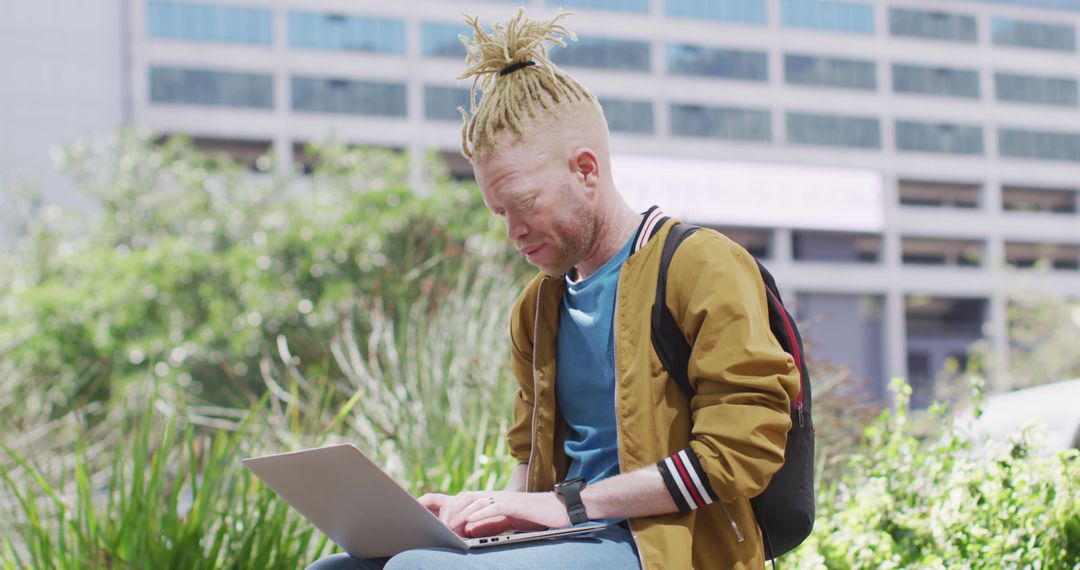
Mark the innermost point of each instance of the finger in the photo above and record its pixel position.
(487, 510)
(500, 517)
(454, 505)
(457, 523)
(489, 527)
(433, 502)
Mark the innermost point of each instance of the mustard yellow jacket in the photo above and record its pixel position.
(717, 450)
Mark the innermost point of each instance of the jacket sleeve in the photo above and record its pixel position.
(743, 380)
(522, 320)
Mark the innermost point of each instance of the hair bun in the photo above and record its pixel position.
(519, 40)
(510, 66)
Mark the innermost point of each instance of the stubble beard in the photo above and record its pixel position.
(579, 233)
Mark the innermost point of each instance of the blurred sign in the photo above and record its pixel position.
(727, 193)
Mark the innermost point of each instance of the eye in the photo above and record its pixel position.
(527, 204)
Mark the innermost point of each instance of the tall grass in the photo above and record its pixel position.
(429, 400)
(172, 496)
(156, 482)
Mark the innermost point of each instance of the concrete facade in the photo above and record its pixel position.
(66, 73)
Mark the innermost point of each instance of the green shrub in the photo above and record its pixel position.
(946, 502)
(193, 266)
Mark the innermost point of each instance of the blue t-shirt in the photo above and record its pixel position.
(585, 385)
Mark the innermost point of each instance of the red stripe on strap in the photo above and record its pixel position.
(794, 342)
(647, 229)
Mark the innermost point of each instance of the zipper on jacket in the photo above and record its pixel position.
(731, 520)
(536, 390)
(618, 425)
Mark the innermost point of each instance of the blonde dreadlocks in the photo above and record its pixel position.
(510, 66)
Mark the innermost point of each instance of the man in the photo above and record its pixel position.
(595, 409)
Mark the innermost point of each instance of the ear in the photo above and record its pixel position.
(586, 167)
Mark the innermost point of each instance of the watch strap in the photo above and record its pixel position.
(570, 491)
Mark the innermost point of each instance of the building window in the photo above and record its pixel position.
(210, 23)
(720, 122)
(328, 95)
(743, 11)
(460, 168)
(320, 30)
(939, 194)
(932, 25)
(835, 247)
(757, 242)
(939, 330)
(624, 116)
(1039, 144)
(441, 40)
(685, 59)
(833, 130)
(604, 53)
(1031, 89)
(828, 15)
(441, 103)
(943, 81)
(1037, 35)
(248, 152)
(1016, 198)
(211, 88)
(1049, 255)
(939, 138)
(933, 251)
(848, 329)
(639, 6)
(830, 72)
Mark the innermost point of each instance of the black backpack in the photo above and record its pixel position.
(785, 509)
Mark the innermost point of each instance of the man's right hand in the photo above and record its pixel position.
(450, 508)
(487, 513)
(437, 502)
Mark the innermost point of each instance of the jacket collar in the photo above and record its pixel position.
(651, 221)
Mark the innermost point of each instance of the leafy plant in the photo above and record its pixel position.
(194, 266)
(945, 503)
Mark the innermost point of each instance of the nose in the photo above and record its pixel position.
(515, 227)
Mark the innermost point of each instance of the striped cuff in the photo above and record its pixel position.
(686, 481)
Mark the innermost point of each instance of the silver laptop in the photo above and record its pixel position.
(345, 495)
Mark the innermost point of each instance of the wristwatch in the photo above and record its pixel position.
(570, 491)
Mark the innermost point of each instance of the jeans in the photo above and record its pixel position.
(609, 548)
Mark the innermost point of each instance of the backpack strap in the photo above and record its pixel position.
(670, 342)
(667, 338)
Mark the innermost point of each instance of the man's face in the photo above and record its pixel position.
(544, 205)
